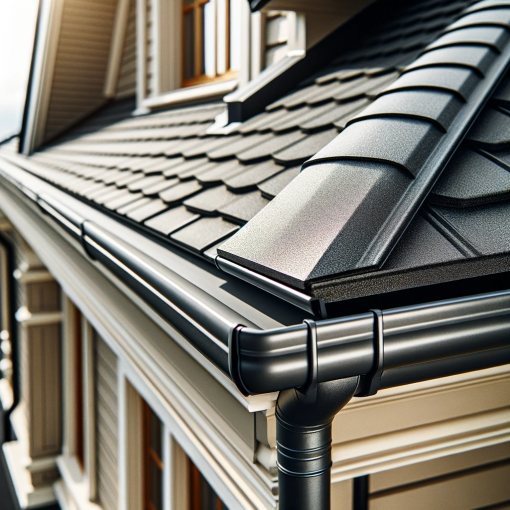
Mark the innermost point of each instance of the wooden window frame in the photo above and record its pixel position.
(166, 81)
(148, 454)
(219, 74)
(78, 469)
(195, 491)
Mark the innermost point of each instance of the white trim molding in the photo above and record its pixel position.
(117, 48)
(191, 95)
(48, 32)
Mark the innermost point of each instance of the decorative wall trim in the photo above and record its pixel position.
(27, 495)
(72, 486)
(44, 62)
(117, 48)
(190, 95)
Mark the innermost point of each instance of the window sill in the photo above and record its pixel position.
(189, 95)
(73, 488)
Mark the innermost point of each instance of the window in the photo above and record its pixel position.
(211, 40)
(202, 495)
(153, 464)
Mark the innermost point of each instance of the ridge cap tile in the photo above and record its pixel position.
(412, 143)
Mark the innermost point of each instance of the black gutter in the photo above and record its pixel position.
(325, 361)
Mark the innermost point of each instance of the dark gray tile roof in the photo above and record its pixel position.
(357, 195)
(166, 173)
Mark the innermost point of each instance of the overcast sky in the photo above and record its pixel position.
(17, 25)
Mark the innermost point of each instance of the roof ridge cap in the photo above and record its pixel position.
(282, 240)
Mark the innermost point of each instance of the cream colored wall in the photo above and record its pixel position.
(126, 85)
(83, 50)
(106, 390)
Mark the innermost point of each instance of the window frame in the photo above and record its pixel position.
(165, 86)
(79, 474)
(222, 70)
(179, 446)
(150, 454)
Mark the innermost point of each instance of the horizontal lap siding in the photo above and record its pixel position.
(126, 85)
(277, 36)
(81, 62)
(473, 489)
(150, 50)
(105, 364)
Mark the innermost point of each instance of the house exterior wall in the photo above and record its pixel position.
(106, 417)
(126, 84)
(80, 64)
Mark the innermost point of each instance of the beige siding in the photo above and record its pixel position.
(105, 364)
(277, 37)
(151, 62)
(468, 490)
(126, 85)
(81, 62)
(43, 356)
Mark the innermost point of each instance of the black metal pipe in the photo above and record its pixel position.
(360, 493)
(303, 435)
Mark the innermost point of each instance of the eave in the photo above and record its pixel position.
(386, 349)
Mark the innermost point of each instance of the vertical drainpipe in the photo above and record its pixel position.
(303, 434)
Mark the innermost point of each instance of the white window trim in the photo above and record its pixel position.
(80, 484)
(167, 55)
(130, 445)
(89, 412)
(231, 488)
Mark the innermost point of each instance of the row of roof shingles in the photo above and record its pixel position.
(163, 170)
(403, 127)
(467, 215)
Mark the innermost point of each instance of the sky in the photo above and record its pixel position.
(17, 28)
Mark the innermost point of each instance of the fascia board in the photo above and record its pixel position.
(45, 53)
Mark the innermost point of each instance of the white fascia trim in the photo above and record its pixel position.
(27, 495)
(116, 48)
(45, 52)
(190, 95)
(74, 485)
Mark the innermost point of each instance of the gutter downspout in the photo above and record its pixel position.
(328, 361)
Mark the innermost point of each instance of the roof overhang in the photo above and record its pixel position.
(383, 348)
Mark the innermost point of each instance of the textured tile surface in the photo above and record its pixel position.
(164, 171)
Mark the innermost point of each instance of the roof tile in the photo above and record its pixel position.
(204, 233)
(368, 139)
(171, 220)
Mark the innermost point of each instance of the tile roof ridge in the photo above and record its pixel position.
(355, 198)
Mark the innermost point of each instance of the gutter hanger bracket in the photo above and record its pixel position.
(370, 383)
(308, 393)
